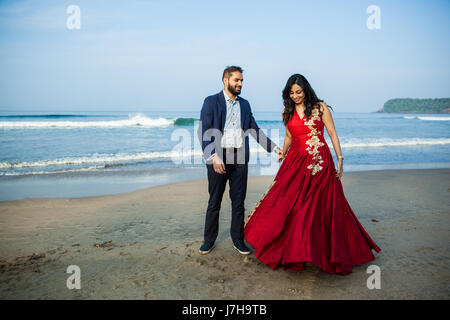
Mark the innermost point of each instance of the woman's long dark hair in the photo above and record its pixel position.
(311, 99)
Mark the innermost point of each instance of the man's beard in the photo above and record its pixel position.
(233, 91)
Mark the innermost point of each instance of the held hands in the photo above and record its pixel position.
(280, 153)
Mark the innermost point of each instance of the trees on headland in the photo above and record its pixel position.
(409, 105)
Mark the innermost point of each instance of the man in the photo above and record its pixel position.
(225, 121)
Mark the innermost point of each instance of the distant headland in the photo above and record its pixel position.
(416, 106)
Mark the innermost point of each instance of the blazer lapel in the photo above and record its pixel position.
(242, 114)
(223, 110)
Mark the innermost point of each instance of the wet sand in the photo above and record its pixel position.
(144, 244)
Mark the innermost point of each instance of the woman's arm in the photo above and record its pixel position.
(287, 143)
(329, 124)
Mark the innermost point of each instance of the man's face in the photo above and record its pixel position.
(234, 82)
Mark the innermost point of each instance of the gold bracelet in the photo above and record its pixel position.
(340, 157)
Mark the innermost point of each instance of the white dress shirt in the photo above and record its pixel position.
(232, 135)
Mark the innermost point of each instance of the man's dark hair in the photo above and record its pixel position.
(228, 70)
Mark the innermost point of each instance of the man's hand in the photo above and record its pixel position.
(218, 164)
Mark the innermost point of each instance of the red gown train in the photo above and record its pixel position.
(304, 215)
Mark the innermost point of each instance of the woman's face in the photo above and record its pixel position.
(297, 95)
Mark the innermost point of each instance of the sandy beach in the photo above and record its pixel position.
(144, 244)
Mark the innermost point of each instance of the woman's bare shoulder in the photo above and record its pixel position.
(322, 106)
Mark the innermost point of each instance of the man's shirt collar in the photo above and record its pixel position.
(227, 98)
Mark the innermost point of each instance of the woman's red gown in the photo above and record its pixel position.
(304, 215)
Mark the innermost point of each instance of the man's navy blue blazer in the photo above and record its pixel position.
(212, 123)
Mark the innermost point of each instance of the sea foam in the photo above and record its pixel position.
(133, 121)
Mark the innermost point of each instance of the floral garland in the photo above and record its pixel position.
(314, 143)
(258, 203)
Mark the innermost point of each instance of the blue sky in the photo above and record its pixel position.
(169, 55)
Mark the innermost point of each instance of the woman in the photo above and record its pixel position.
(304, 215)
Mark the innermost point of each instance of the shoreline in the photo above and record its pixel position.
(144, 244)
(90, 184)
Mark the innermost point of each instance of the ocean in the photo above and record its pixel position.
(79, 154)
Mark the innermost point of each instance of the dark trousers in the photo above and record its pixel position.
(237, 175)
